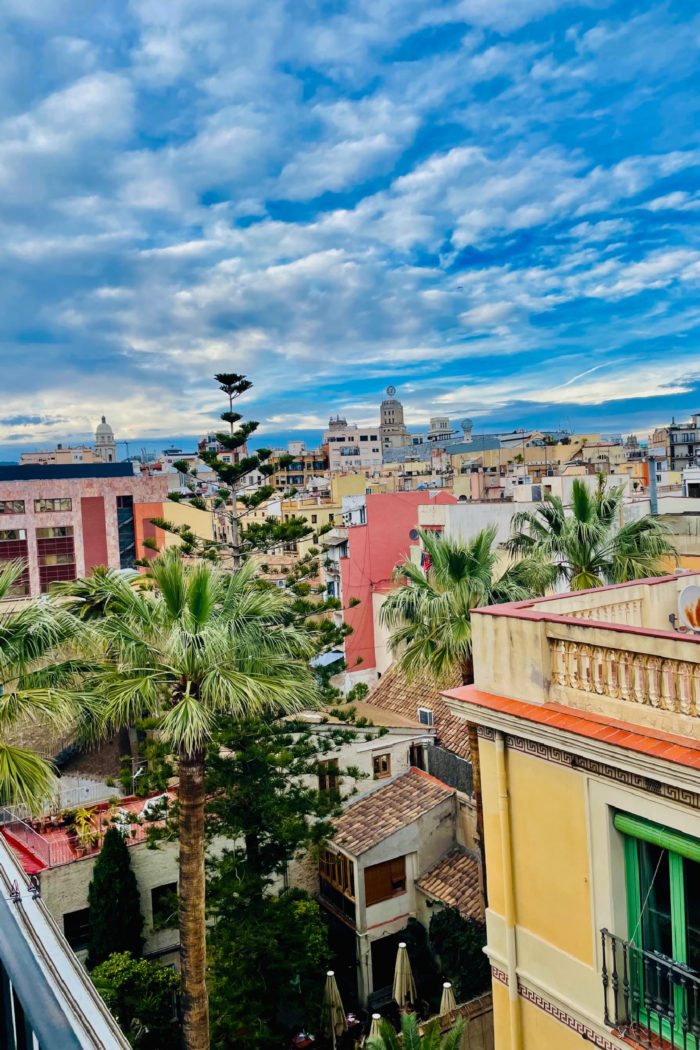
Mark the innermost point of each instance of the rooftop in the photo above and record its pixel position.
(615, 664)
(403, 696)
(455, 881)
(49, 471)
(386, 810)
(48, 844)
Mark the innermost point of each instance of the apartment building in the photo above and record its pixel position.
(64, 519)
(395, 853)
(587, 709)
(352, 448)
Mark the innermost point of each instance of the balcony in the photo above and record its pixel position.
(337, 901)
(648, 998)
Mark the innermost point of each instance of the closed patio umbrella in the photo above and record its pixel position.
(404, 986)
(333, 1010)
(448, 1001)
(374, 1027)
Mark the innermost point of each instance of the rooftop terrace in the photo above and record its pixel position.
(615, 652)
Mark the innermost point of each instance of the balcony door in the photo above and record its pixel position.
(663, 900)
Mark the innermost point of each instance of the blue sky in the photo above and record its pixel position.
(491, 204)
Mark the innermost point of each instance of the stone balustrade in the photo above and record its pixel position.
(668, 684)
(627, 612)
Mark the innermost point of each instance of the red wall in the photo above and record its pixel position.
(92, 512)
(373, 551)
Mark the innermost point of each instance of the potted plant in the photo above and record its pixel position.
(83, 824)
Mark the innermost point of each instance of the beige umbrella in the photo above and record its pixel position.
(448, 1001)
(333, 1010)
(404, 986)
(374, 1032)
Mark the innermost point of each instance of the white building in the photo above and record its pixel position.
(352, 448)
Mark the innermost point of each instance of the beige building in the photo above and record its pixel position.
(587, 709)
(394, 432)
(352, 448)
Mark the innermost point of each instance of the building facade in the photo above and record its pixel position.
(352, 448)
(64, 520)
(587, 710)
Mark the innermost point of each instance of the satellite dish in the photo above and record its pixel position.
(689, 607)
(413, 534)
(391, 390)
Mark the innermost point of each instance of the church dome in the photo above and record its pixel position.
(103, 429)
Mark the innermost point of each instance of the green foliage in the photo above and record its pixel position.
(459, 942)
(585, 545)
(141, 995)
(150, 543)
(430, 614)
(261, 799)
(176, 497)
(271, 533)
(267, 953)
(353, 602)
(198, 502)
(411, 1038)
(115, 909)
(358, 691)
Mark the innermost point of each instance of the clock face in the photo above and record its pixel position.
(391, 390)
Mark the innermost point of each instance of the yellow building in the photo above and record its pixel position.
(587, 710)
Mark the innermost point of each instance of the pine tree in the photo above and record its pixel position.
(115, 908)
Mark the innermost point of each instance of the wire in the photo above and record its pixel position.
(646, 899)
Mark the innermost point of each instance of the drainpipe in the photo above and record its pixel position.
(516, 1032)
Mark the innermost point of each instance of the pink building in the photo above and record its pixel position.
(65, 519)
(374, 549)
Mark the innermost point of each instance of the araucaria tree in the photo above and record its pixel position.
(233, 472)
(198, 645)
(115, 907)
(586, 544)
(32, 681)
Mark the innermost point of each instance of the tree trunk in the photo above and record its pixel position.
(193, 949)
(467, 670)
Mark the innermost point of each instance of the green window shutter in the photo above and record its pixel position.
(666, 838)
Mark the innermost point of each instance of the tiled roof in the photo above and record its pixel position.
(385, 811)
(455, 881)
(395, 692)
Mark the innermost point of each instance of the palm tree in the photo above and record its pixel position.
(411, 1039)
(430, 615)
(588, 546)
(198, 645)
(32, 688)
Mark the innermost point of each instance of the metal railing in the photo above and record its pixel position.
(648, 997)
(26, 836)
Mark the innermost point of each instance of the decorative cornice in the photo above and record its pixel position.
(572, 1023)
(588, 765)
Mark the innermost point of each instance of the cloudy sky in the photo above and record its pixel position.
(492, 204)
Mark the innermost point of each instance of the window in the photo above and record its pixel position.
(127, 535)
(384, 881)
(314, 519)
(363, 437)
(164, 906)
(13, 544)
(339, 870)
(56, 555)
(381, 764)
(425, 716)
(662, 869)
(43, 505)
(328, 777)
(11, 506)
(76, 927)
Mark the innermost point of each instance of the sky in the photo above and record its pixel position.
(492, 205)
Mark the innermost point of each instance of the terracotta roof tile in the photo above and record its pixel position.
(455, 881)
(385, 811)
(395, 692)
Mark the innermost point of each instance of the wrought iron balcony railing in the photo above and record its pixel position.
(648, 997)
